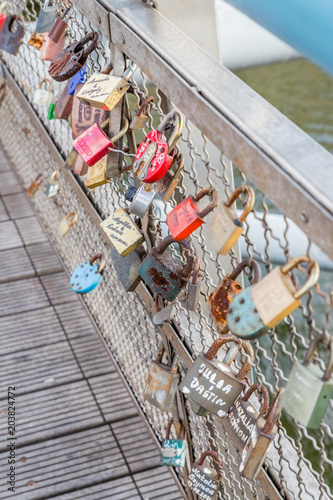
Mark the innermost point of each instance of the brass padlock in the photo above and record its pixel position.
(162, 382)
(261, 437)
(34, 186)
(53, 185)
(204, 480)
(64, 225)
(165, 187)
(127, 269)
(222, 229)
(122, 232)
(140, 119)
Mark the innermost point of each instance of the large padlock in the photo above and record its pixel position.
(166, 186)
(308, 391)
(156, 153)
(67, 222)
(122, 232)
(88, 275)
(141, 199)
(220, 299)
(59, 27)
(173, 451)
(11, 40)
(242, 416)
(36, 40)
(53, 185)
(162, 382)
(51, 50)
(63, 106)
(193, 288)
(73, 57)
(140, 119)
(267, 302)
(223, 230)
(47, 16)
(204, 480)
(211, 383)
(261, 437)
(127, 269)
(188, 215)
(43, 97)
(34, 186)
(162, 273)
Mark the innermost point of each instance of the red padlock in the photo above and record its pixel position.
(188, 216)
(2, 20)
(155, 154)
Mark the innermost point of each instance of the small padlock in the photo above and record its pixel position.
(127, 269)
(267, 302)
(261, 437)
(46, 18)
(59, 26)
(80, 167)
(71, 160)
(220, 299)
(162, 382)
(36, 40)
(193, 288)
(162, 273)
(63, 106)
(88, 275)
(34, 186)
(77, 79)
(222, 229)
(73, 57)
(64, 226)
(211, 383)
(43, 97)
(51, 50)
(141, 199)
(242, 416)
(203, 480)
(122, 232)
(53, 185)
(156, 153)
(173, 452)
(188, 215)
(140, 119)
(3, 13)
(10, 40)
(308, 391)
(51, 110)
(166, 186)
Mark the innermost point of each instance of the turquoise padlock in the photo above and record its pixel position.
(88, 275)
(173, 451)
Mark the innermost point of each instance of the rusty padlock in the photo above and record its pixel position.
(63, 106)
(64, 226)
(220, 299)
(193, 288)
(36, 40)
(59, 27)
(188, 215)
(203, 480)
(10, 40)
(122, 232)
(34, 186)
(173, 452)
(165, 187)
(73, 57)
(140, 119)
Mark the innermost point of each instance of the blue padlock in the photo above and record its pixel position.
(88, 275)
(76, 79)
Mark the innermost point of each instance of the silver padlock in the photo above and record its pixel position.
(141, 199)
(193, 288)
(127, 269)
(53, 185)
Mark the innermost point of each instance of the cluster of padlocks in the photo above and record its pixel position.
(240, 315)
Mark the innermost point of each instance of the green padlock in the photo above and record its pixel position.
(51, 110)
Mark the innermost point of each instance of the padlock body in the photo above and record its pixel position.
(96, 175)
(92, 144)
(174, 452)
(193, 295)
(63, 227)
(103, 91)
(184, 219)
(2, 20)
(223, 230)
(50, 50)
(165, 187)
(52, 189)
(202, 481)
(80, 167)
(64, 104)
(142, 201)
(212, 385)
(307, 396)
(243, 318)
(84, 116)
(10, 41)
(152, 160)
(138, 122)
(57, 30)
(31, 190)
(198, 409)
(220, 299)
(36, 39)
(161, 386)
(85, 278)
(127, 269)
(46, 18)
(239, 422)
(42, 97)
(122, 232)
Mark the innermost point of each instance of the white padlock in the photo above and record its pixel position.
(43, 97)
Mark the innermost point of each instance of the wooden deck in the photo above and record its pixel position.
(78, 432)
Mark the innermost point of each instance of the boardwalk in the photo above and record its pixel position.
(78, 432)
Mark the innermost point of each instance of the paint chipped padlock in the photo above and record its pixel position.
(242, 416)
(36, 40)
(188, 215)
(223, 229)
(261, 438)
(193, 288)
(122, 232)
(34, 186)
(173, 452)
(309, 390)
(156, 153)
(67, 223)
(141, 199)
(162, 273)
(11, 40)
(211, 383)
(127, 269)
(140, 119)
(59, 26)
(162, 382)
(43, 96)
(267, 302)
(47, 16)
(63, 106)
(220, 299)
(53, 185)
(204, 480)
(88, 275)
(165, 187)
(73, 58)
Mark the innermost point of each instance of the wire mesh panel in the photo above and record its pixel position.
(299, 464)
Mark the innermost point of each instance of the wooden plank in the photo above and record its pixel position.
(118, 489)
(31, 231)
(157, 483)
(3, 211)
(9, 184)
(16, 265)
(58, 288)
(17, 205)
(4, 165)
(22, 295)
(75, 320)
(44, 258)
(9, 237)
(92, 355)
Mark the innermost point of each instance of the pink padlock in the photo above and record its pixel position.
(50, 49)
(92, 144)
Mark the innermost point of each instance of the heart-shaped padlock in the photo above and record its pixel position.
(88, 275)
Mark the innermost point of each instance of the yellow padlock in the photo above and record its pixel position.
(64, 225)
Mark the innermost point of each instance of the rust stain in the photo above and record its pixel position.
(158, 279)
(221, 298)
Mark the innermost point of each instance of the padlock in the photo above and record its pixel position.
(80, 167)
(122, 232)
(10, 40)
(59, 26)
(43, 97)
(63, 106)
(51, 110)
(104, 92)
(140, 119)
(88, 275)
(204, 480)
(193, 288)
(162, 382)
(34, 186)
(188, 215)
(211, 383)
(73, 57)
(53, 185)
(64, 226)
(222, 229)
(220, 299)
(162, 273)
(36, 40)
(267, 302)
(242, 417)
(166, 186)
(173, 452)
(127, 269)
(308, 391)
(156, 153)
(165, 314)
(71, 160)
(51, 50)
(141, 199)
(46, 18)
(3, 13)
(77, 79)
(261, 437)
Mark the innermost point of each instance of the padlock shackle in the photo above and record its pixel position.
(327, 340)
(168, 429)
(160, 352)
(94, 37)
(173, 116)
(3, 6)
(146, 101)
(247, 365)
(252, 264)
(65, 12)
(196, 270)
(121, 132)
(217, 458)
(37, 179)
(213, 196)
(249, 204)
(128, 72)
(54, 177)
(74, 215)
(107, 68)
(168, 240)
(46, 80)
(180, 161)
(264, 393)
(313, 276)
(216, 346)
(102, 263)
(273, 413)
